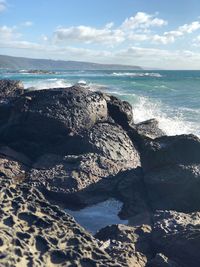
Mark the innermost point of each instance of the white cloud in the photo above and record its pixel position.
(189, 28)
(89, 35)
(8, 33)
(3, 5)
(196, 41)
(77, 43)
(142, 20)
(171, 36)
(27, 23)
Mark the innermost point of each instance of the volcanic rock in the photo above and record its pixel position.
(177, 236)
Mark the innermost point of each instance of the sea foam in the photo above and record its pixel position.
(137, 74)
(47, 83)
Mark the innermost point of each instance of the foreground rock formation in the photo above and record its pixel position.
(73, 147)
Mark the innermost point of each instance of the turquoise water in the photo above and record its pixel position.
(173, 97)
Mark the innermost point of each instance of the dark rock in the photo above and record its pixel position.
(177, 236)
(112, 142)
(39, 72)
(174, 187)
(149, 128)
(10, 88)
(170, 150)
(130, 190)
(172, 172)
(71, 173)
(120, 111)
(130, 245)
(65, 111)
(46, 121)
(161, 260)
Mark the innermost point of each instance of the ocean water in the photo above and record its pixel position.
(172, 97)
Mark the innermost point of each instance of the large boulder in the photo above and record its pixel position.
(71, 173)
(172, 172)
(170, 150)
(112, 142)
(149, 128)
(174, 187)
(120, 111)
(46, 116)
(177, 236)
(112, 153)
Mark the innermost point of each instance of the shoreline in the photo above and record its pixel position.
(71, 145)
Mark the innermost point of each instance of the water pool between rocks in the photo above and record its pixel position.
(95, 217)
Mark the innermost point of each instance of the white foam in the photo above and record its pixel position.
(172, 122)
(137, 74)
(47, 83)
(82, 82)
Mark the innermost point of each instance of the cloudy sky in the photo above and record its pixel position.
(149, 33)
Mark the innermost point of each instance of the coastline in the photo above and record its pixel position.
(77, 147)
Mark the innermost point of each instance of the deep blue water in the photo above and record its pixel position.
(173, 97)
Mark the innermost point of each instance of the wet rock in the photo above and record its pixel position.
(149, 128)
(120, 111)
(131, 245)
(177, 236)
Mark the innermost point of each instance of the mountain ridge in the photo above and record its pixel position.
(11, 62)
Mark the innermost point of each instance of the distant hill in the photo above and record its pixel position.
(47, 64)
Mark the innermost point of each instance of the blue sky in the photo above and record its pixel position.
(149, 33)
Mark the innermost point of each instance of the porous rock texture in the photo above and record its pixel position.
(10, 88)
(35, 233)
(74, 147)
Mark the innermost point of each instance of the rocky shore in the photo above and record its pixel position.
(72, 147)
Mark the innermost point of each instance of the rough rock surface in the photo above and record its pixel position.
(71, 173)
(75, 147)
(177, 236)
(172, 172)
(130, 245)
(35, 233)
(170, 150)
(10, 88)
(120, 111)
(161, 260)
(149, 129)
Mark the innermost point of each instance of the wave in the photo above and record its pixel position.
(46, 84)
(172, 122)
(137, 74)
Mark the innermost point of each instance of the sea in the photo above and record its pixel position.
(172, 97)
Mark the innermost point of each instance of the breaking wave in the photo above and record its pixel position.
(137, 74)
(46, 84)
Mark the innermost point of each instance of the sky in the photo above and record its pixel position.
(149, 33)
